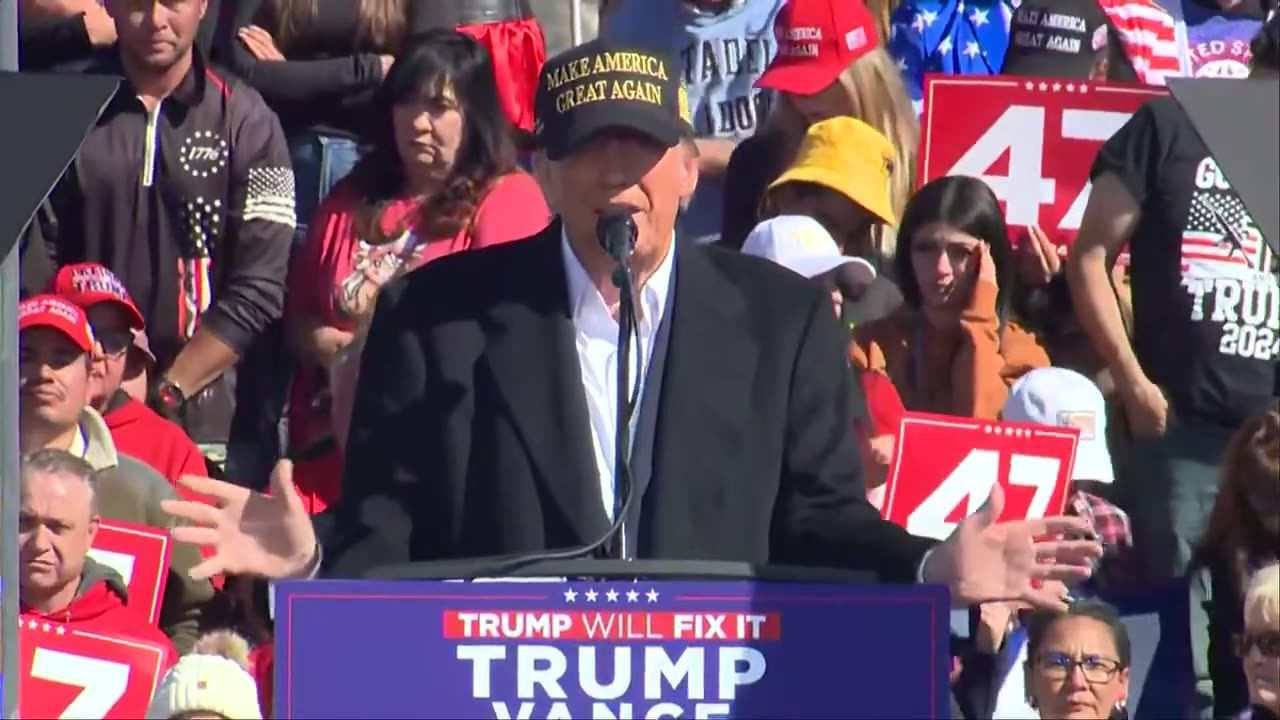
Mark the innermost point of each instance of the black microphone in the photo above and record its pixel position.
(616, 232)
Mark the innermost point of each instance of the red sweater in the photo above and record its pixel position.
(335, 277)
(102, 606)
(141, 433)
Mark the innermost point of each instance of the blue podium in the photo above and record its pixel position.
(611, 647)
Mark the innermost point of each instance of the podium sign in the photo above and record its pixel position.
(943, 468)
(140, 555)
(1032, 140)
(73, 673)
(617, 649)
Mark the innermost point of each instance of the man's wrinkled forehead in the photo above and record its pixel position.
(55, 493)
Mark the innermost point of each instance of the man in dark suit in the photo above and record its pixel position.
(485, 408)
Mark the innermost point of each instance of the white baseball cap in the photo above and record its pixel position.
(1065, 398)
(800, 243)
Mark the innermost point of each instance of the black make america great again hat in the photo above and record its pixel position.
(599, 85)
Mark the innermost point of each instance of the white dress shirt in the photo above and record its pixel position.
(596, 335)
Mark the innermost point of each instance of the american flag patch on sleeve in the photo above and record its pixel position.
(271, 196)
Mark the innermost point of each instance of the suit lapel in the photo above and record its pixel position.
(534, 359)
(710, 366)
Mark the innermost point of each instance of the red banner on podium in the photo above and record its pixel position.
(140, 554)
(944, 467)
(71, 673)
(1032, 140)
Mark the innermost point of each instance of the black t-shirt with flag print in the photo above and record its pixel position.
(1206, 297)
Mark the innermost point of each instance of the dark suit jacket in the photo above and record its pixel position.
(471, 417)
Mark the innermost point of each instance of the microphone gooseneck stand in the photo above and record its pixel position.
(627, 399)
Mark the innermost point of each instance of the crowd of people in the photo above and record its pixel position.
(335, 263)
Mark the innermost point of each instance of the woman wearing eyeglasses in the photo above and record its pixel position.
(1259, 645)
(1078, 663)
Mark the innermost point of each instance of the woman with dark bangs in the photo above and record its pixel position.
(952, 347)
(440, 178)
(1243, 536)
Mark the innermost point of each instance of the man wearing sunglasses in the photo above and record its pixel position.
(57, 351)
(116, 321)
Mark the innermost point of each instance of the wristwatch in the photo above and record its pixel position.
(170, 395)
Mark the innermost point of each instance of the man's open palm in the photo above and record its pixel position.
(250, 533)
(985, 561)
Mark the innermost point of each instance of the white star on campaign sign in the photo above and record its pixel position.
(1044, 86)
(652, 595)
(1071, 87)
(978, 17)
(1057, 87)
(60, 631)
(32, 625)
(46, 627)
(971, 49)
(591, 595)
(612, 595)
(570, 595)
(1031, 86)
(632, 596)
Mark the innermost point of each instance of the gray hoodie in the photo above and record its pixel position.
(130, 490)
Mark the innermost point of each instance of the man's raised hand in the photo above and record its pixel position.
(249, 533)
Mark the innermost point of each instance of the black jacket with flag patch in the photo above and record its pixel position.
(192, 205)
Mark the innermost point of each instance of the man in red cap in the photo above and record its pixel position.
(137, 429)
(56, 349)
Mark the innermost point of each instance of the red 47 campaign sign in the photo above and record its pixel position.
(140, 554)
(70, 673)
(944, 467)
(1032, 140)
